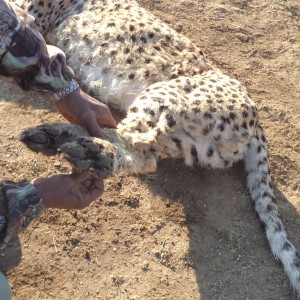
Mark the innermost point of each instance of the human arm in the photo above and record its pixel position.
(26, 59)
(21, 202)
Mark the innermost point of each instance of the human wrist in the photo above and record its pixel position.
(65, 92)
(40, 186)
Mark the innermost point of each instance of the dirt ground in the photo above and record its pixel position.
(179, 233)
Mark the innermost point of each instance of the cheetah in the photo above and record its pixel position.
(177, 104)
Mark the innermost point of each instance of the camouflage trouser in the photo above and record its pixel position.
(20, 203)
(5, 291)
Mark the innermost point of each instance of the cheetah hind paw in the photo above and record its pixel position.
(87, 153)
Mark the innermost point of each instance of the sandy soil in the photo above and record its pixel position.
(179, 233)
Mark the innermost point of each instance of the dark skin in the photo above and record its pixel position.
(80, 108)
(74, 191)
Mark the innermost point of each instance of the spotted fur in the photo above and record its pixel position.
(178, 105)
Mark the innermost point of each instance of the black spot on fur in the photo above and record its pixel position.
(244, 125)
(207, 115)
(210, 152)
(278, 227)
(146, 74)
(170, 120)
(297, 262)
(221, 127)
(287, 246)
(163, 108)
(131, 76)
(177, 142)
(225, 120)
(232, 116)
(206, 130)
(267, 194)
(149, 111)
(194, 154)
(134, 109)
(150, 124)
(258, 149)
(245, 114)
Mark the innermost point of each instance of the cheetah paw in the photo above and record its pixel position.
(87, 153)
(49, 137)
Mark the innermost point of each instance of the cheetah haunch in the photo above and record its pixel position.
(177, 104)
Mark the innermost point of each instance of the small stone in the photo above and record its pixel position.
(244, 38)
(57, 163)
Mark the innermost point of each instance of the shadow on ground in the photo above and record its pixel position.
(228, 249)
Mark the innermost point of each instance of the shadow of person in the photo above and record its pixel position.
(227, 245)
(11, 256)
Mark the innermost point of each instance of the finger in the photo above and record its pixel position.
(70, 119)
(93, 127)
(99, 184)
(95, 193)
(82, 176)
(108, 121)
(87, 184)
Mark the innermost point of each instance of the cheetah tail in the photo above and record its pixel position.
(260, 186)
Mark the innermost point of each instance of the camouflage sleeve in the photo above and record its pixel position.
(24, 56)
(20, 203)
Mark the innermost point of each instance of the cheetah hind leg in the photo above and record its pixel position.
(80, 150)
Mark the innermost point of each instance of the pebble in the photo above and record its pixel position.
(244, 38)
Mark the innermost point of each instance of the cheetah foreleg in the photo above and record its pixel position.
(81, 151)
(48, 138)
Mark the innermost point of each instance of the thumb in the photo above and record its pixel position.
(108, 121)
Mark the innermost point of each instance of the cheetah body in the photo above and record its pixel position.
(178, 105)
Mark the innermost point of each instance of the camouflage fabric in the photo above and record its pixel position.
(20, 203)
(25, 57)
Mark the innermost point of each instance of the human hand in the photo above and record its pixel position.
(22, 202)
(75, 191)
(80, 108)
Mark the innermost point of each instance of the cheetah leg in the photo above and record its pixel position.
(48, 138)
(81, 151)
